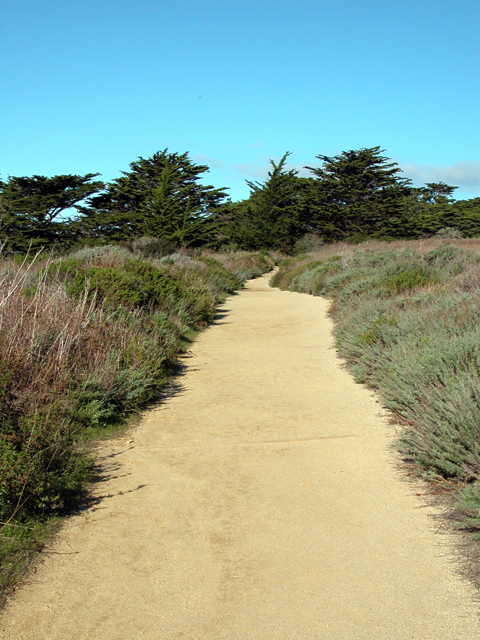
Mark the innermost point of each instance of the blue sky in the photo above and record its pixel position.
(89, 86)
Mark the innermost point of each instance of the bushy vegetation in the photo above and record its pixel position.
(408, 324)
(86, 340)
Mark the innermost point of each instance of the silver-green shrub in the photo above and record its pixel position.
(409, 326)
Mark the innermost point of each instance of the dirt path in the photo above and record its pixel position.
(260, 502)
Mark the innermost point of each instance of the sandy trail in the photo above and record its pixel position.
(262, 501)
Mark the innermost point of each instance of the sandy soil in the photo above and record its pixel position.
(261, 501)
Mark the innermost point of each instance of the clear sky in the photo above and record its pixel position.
(90, 85)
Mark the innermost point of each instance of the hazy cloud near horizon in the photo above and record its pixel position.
(464, 174)
(261, 170)
(253, 170)
(211, 162)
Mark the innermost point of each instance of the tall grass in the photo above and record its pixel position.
(86, 340)
(408, 323)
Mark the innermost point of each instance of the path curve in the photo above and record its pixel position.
(262, 501)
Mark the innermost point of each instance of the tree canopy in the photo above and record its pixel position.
(31, 208)
(272, 215)
(159, 197)
(357, 192)
(435, 193)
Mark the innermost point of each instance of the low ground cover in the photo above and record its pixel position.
(408, 324)
(85, 341)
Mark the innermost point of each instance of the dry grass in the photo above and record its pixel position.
(421, 247)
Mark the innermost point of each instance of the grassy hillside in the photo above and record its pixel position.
(408, 324)
(85, 341)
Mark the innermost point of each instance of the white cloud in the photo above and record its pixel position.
(260, 171)
(211, 162)
(253, 170)
(463, 174)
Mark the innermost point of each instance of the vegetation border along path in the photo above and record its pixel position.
(86, 341)
(408, 318)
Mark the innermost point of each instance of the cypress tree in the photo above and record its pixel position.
(274, 212)
(357, 193)
(31, 208)
(159, 197)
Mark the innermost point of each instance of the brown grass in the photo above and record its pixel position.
(423, 246)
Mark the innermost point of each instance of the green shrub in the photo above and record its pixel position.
(218, 275)
(469, 505)
(40, 467)
(133, 284)
(408, 279)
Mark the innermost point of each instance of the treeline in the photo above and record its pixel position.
(353, 196)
